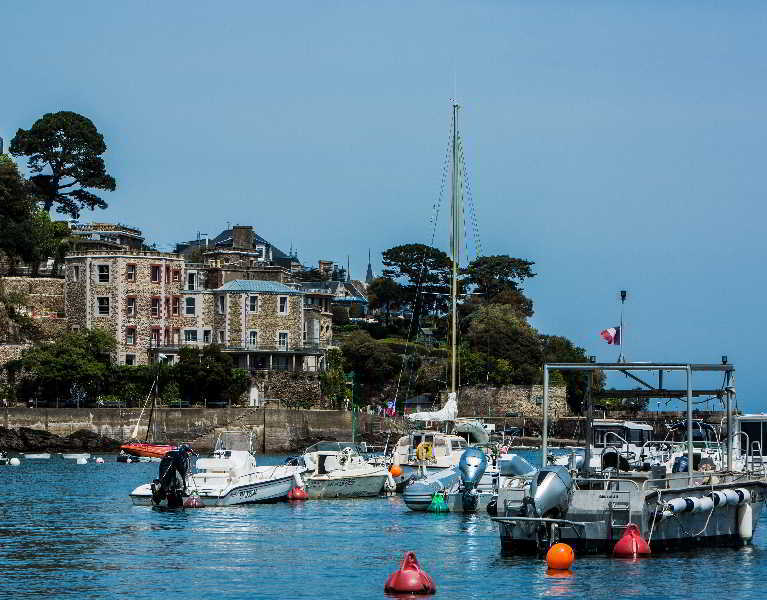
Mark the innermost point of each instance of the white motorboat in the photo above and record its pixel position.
(336, 470)
(37, 456)
(230, 476)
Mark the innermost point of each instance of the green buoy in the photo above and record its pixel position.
(438, 503)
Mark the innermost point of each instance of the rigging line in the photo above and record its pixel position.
(472, 203)
(435, 218)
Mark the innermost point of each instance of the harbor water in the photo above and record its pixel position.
(70, 531)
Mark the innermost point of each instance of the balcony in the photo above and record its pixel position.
(308, 349)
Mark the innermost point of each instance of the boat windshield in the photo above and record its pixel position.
(235, 440)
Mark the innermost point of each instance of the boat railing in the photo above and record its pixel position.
(606, 483)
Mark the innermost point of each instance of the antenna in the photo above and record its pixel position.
(622, 355)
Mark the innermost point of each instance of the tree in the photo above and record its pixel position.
(70, 146)
(427, 272)
(558, 349)
(521, 304)
(75, 364)
(494, 274)
(208, 375)
(383, 293)
(332, 380)
(373, 362)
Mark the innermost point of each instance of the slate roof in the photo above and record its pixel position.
(257, 286)
(224, 240)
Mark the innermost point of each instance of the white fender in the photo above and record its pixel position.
(82, 461)
(677, 505)
(704, 504)
(719, 499)
(732, 497)
(298, 480)
(745, 522)
(14, 462)
(744, 495)
(390, 483)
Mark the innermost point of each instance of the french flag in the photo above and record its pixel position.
(612, 335)
(391, 408)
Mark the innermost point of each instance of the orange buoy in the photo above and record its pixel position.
(297, 493)
(395, 471)
(560, 557)
(410, 579)
(631, 544)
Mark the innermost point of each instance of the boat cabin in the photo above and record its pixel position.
(443, 446)
(611, 433)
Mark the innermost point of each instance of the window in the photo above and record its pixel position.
(130, 306)
(175, 305)
(155, 336)
(189, 306)
(130, 336)
(130, 272)
(103, 305)
(206, 336)
(190, 335)
(253, 304)
(156, 272)
(282, 340)
(253, 338)
(191, 280)
(76, 273)
(103, 273)
(221, 303)
(282, 305)
(176, 275)
(155, 307)
(167, 273)
(167, 306)
(220, 337)
(175, 336)
(130, 359)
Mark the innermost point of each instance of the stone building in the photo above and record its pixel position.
(105, 236)
(155, 303)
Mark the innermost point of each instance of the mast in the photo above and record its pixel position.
(455, 244)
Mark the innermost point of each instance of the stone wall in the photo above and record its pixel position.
(286, 430)
(291, 388)
(522, 400)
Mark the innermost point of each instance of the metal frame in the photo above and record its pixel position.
(688, 368)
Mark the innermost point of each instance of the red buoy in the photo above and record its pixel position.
(297, 493)
(410, 579)
(193, 501)
(631, 544)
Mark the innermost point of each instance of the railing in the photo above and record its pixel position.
(275, 347)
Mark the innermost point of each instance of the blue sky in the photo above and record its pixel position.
(617, 144)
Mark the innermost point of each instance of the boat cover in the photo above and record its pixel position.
(446, 413)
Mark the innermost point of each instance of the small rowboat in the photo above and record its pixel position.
(150, 450)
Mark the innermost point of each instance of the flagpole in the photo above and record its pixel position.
(622, 331)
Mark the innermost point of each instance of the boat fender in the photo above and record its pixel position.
(719, 498)
(438, 503)
(743, 495)
(410, 579)
(395, 470)
(704, 504)
(677, 505)
(194, 501)
(423, 451)
(99, 460)
(390, 484)
(14, 462)
(745, 522)
(82, 460)
(732, 498)
(299, 481)
(297, 493)
(632, 544)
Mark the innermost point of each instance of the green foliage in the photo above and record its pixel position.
(70, 147)
(207, 375)
(558, 349)
(521, 304)
(332, 380)
(493, 274)
(373, 362)
(76, 364)
(385, 293)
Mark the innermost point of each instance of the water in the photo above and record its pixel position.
(70, 531)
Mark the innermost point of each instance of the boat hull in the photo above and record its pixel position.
(359, 486)
(148, 450)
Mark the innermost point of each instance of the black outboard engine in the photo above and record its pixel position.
(171, 484)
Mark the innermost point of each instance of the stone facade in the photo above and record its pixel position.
(511, 400)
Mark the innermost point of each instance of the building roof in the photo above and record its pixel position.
(258, 286)
(224, 240)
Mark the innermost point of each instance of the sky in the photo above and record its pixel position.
(616, 144)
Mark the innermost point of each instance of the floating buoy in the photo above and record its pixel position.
(631, 544)
(193, 501)
(395, 470)
(410, 579)
(82, 461)
(560, 557)
(438, 504)
(14, 462)
(99, 460)
(297, 493)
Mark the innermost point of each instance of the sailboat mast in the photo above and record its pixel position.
(455, 242)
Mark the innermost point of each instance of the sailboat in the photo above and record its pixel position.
(429, 452)
(145, 449)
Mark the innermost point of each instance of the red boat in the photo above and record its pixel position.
(150, 450)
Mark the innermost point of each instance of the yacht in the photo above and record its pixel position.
(230, 476)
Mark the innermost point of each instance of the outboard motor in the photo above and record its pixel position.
(171, 483)
(472, 467)
(550, 492)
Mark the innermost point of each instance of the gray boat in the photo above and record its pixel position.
(591, 509)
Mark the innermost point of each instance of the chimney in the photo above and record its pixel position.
(242, 236)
